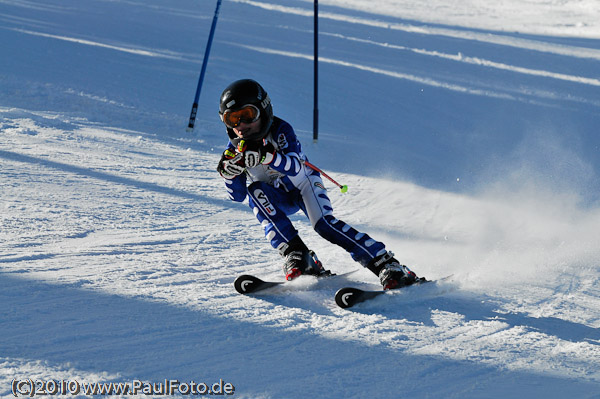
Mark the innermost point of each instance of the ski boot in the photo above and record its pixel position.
(300, 260)
(391, 273)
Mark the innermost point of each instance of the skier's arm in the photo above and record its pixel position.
(232, 170)
(286, 163)
(286, 159)
(236, 188)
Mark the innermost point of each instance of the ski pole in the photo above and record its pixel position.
(343, 188)
(192, 121)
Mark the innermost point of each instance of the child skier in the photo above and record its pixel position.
(264, 161)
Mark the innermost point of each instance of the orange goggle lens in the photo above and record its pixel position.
(246, 114)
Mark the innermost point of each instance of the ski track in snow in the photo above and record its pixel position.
(466, 34)
(118, 246)
(497, 92)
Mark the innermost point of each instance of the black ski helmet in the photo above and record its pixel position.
(243, 92)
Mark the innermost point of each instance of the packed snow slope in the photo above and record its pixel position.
(468, 137)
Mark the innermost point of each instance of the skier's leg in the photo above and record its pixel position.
(361, 247)
(271, 206)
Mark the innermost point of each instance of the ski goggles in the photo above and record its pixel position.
(247, 114)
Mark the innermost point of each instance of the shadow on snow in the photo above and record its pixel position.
(65, 326)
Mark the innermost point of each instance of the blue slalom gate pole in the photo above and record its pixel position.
(316, 74)
(203, 70)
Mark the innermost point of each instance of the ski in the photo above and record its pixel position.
(349, 296)
(345, 297)
(248, 284)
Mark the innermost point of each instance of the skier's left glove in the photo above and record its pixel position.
(257, 152)
(231, 164)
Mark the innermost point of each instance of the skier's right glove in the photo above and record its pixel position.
(256, 152)
(231, 164)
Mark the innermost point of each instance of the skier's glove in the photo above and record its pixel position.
(256, 152)
(231, 164)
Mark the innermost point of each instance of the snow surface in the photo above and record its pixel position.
(467, 133)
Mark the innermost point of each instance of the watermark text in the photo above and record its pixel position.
(28, 387)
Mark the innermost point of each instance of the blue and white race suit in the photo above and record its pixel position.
(285, 186)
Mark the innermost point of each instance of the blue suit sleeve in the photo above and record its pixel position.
(288, 157)
(236, 188)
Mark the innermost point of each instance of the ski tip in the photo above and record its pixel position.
(246, 283)
(346, 297)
